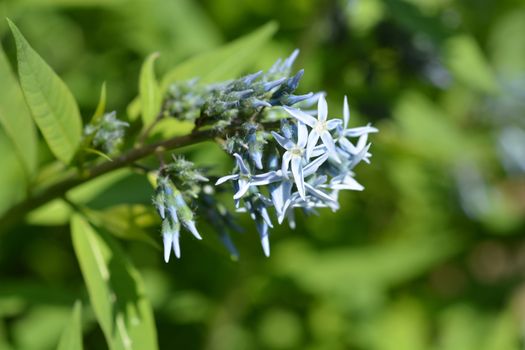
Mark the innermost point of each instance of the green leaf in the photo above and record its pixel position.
(12, 181)
(101, 107)
(15, 118)
(126, 221)
(53, 106)
(72, 337)
(150, 97)
(115, 289)
(469, 65)
(224, 63)
(57, 212)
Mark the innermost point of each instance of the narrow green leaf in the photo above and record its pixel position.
(224, 63)
(15, 118)
(101, 107)
(469, 65)
(12, 181)
(150, 97)
(115, 289)
(72, 337)
(53, 106)
(126, 221)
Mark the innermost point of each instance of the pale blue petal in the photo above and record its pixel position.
(176, 244)
(240, 163)
(347, 146)
(330, 145)
(190, 225)
(312, 142)
(322, 109)
(226, 178)
(285, 143)
(167, 238)
(355, 132)
(322, 196)
(243, 188)
(287, 156)
(297, 171)
(333, 123)
(301, 116)
(312, 167)
(302, 135)
(318, 150)
(346, 113)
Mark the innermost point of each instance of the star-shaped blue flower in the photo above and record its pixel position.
(320, 127)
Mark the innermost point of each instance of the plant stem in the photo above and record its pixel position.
(41, 196)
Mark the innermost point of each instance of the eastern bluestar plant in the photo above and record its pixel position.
(286, 158)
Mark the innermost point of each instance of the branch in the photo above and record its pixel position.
(57, 190)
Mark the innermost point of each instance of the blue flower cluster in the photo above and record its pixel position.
(306, 165)
(287, 158)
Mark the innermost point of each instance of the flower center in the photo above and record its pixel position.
(296, 151)
(320, 126)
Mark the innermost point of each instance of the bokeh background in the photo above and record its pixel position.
(430, 256)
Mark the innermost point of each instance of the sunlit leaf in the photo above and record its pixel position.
(150, 97)
(12, 179)
(115, 289)
(224, 63)
(126, 221)
(15, 118)
(51, 103)
(72, 337)
(57, 212)
(468, 64)
(101, 107)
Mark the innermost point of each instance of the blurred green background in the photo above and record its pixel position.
(430, 256)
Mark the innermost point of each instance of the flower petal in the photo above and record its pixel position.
(355, 132)
(167, 238)
(312, 142)
(190, 225)
(302, 135)
(346, 113)
(314, 165)
(176, 244)
(287, 156)
(265, 240)
(226, 178)
(330, 145)
(322, 109)
(333, 123)
(302, 116)
(240, 163)
(284, 142)
(243, 188)
(297, 171)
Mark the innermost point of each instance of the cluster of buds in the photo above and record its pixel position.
(185, 99)
(230, 102)
(173, 211)
(105, 133)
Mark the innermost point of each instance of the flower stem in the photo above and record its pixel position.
(42, 196)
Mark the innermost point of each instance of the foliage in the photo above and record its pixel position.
(429, 255)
